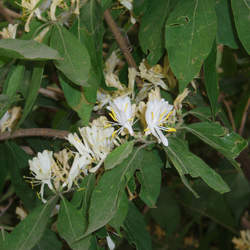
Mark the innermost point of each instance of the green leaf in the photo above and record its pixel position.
(16, 160)
(211, 80)
(202, 113)
(14, 81)
(241, 11)
(106, 196)
(76, 61)
(167, 213)
(151, 30)
(75, 98)
(149, 163)
(81, 198)
(119, 217)
(189, 34)
(49, 241)
(187, 163)
(34, 86)
(4, 166)
(31, 229)
(140, 6)
(135, 227)
(210, 204)
(27, 50)
(225, 31)
(71, 224)
(228, 143)
(118, 155)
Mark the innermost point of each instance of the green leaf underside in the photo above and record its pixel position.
(27, 50)
(76, 61)
(189, 36)
(186, 162)
(230, 144)
(118, 155)
(28, 232)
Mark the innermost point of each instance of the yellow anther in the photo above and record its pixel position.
(146, 129)
(152, 115)
(113, 115)
(113, 134)
(171, 130)
(170, 113)
(107, 126)
(161, 115)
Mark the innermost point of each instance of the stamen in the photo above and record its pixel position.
(171, 130)
(126, 107)
(152, 114)
(170, 113)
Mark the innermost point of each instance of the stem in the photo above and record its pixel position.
(121, 42)
(45, 132)
(244, 117)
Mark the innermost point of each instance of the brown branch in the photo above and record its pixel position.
(244, 117)
(121, 42)
(230, 114)
(29, 132)
(4, 13)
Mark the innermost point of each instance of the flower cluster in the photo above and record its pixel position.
(90, 147)
(36, 8)
(243, 242)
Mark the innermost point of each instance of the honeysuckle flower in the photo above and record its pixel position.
(110, 242)
(99, 140)
(127, 4)
(9, 32)
(112, 80)
(179, 99)
(39, 38)
(53, 7)
(79, 165)
(76, 4)
(9, 119)
(31, 7)
(156, 115)
(81, 147)
(123, 113)
(243, 242)
(111, 63)
(131, 80)
(41, 168)
(102, 98)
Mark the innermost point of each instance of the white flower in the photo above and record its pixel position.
(102, 99)
(79, 164)
(123, 113)
(157, 113)
(53, 7)
(127, 4)
(97, 142)
(112, 80)
(9, 32)
(111, 63)
(9, 119)
(110, 243)
(31, 7)
(41, 168)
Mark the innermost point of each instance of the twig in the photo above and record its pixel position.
(51, 93)
(244, 117)
(121, 42)
(230, 114)
(29, 132)
(4, 13)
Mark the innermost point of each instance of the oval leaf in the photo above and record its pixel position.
(118, 155)
(76, 61)
(27, 49)
(190, 33)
